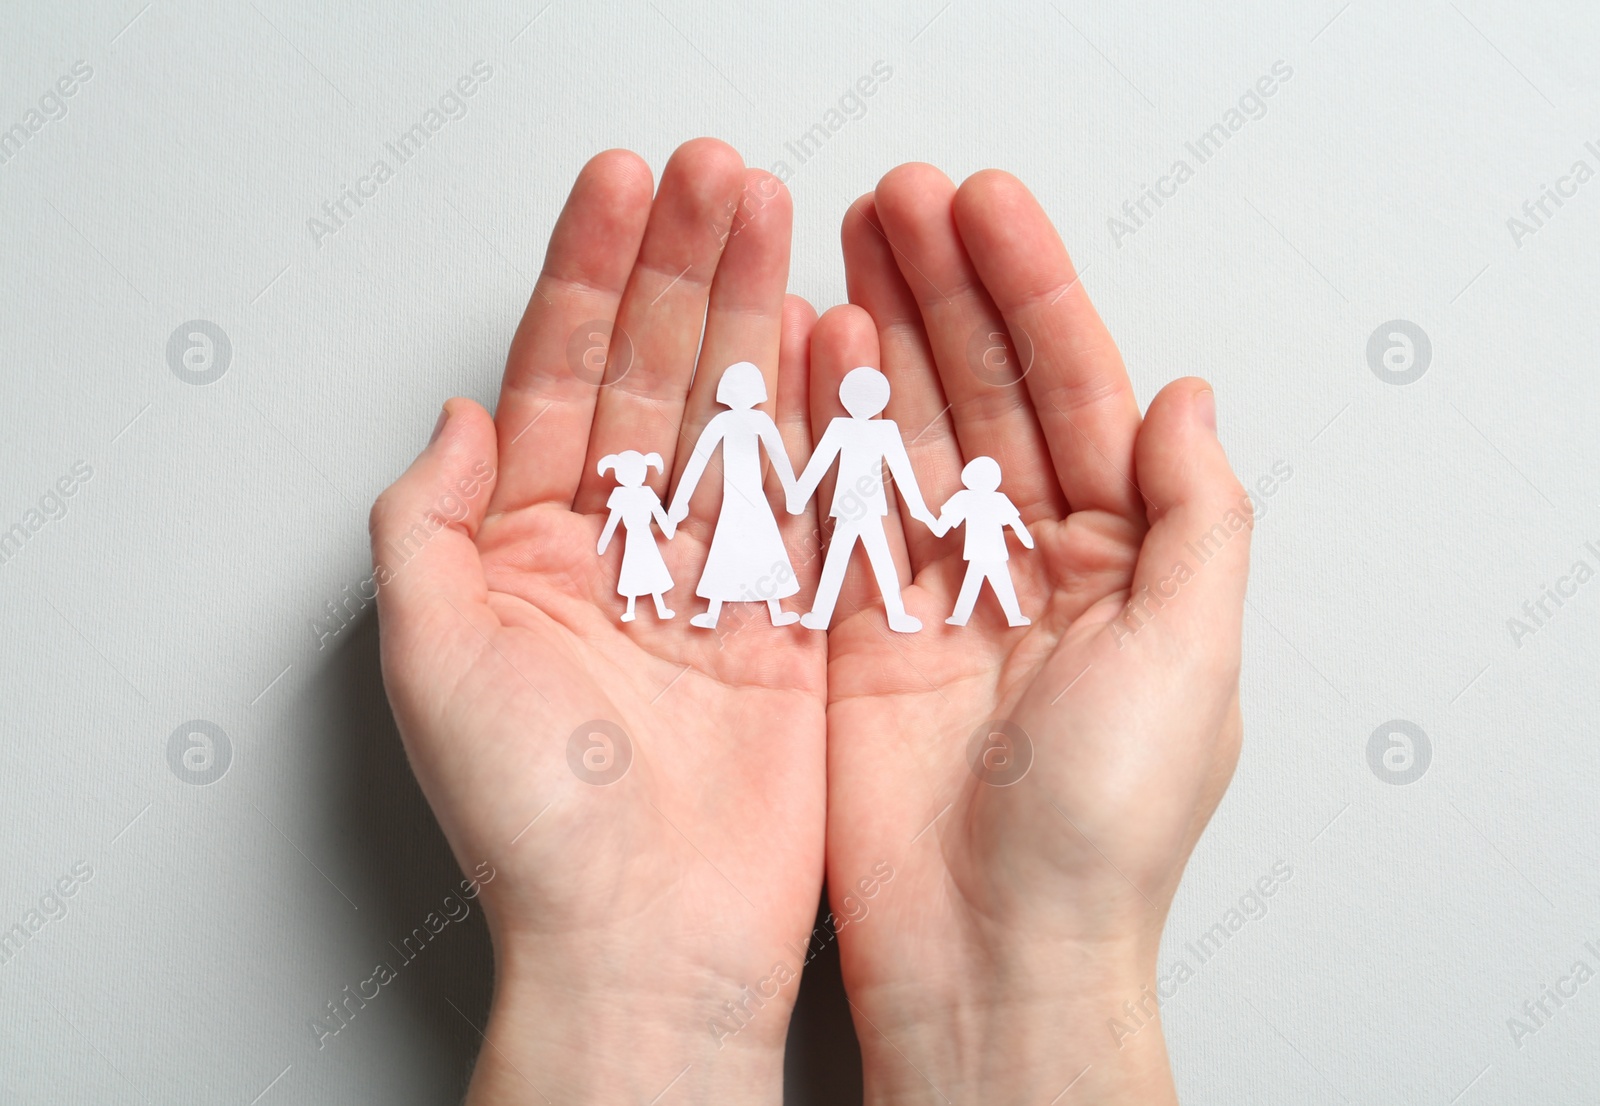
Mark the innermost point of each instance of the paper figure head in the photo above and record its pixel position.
(982, 474)
(742, 386)
(631, 466)
(864, 392)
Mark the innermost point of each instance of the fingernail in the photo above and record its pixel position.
(1206, 405)
(438, 427)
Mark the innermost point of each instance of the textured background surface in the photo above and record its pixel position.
(192, 567)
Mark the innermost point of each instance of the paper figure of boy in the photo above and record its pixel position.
(987, 511)
(862, 443)
(634, 504)
(747, 561)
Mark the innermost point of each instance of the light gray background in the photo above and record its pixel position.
(184, 579)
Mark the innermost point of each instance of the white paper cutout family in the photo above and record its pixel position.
(747, 561)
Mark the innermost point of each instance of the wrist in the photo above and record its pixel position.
(581, 1026)
(1032, 1029)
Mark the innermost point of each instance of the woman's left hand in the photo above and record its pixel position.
(688, 873)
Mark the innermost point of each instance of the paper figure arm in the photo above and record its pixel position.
(823, 457)
(690, 480)
(1016, 523)
(669, 527)
(773, 440)
(950, 516)
(906, 480)
(611, 528)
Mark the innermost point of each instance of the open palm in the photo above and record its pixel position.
(1035, 790)
(650, 798)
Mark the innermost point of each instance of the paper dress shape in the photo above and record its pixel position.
(986, 511)
(747, 562)
(862, 444)
(634, 504)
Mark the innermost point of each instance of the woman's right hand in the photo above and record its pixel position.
(1037, 791)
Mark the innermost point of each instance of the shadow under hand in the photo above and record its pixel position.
(421, 922)
(822, 1061)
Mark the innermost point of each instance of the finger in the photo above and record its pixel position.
(558, 355)
(802, 535)
(1188, 589)
(663, 312)
(425, 563)
(1075, 375)
(744, 318)
(916, 397)
(794, 378)
(993, 416)
(843, 339)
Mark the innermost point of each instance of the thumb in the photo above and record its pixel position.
(423, 528)
(1190, 579)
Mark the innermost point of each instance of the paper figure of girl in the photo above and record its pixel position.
(747, 562)
(635, 504)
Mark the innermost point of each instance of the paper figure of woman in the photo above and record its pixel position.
(747, 561)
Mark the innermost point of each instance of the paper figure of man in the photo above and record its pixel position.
(987, 511)
(862, 444)
(747, 561)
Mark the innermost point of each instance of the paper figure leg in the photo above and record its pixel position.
(968, 597)
(833, 566)
(781, 617)
(877, 546)
(708, 620)
(628, 615)
(661, 607)
(1000, 579)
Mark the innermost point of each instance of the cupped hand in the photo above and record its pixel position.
(650, 797)
(1036, 791)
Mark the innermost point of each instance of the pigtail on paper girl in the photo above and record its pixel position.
(616, 461)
